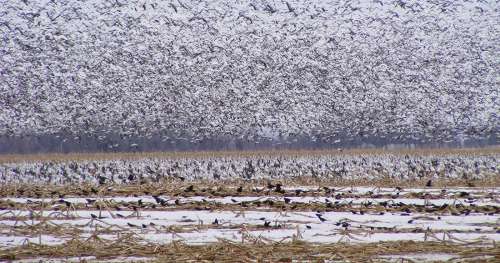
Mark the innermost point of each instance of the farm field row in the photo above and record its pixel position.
(314, 218)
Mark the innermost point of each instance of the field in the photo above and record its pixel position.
(165, 131)
(304, 206)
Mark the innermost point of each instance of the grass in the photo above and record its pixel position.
(176, 187)
(258, 251)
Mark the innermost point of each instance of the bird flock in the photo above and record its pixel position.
(341, 167)
(197, 70)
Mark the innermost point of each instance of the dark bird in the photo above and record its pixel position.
(189, 189)
(131, 225)
(159, 200)
(269, 202)
(240, 189)
(279, 189)
(320, 217)
(287, 200)
(93, 216)
(429, 183)
(102, 180)
(308, 227)
(216, 222)
(464, 194)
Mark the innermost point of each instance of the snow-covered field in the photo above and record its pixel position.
(414, 206)
(316, 218)
(206, 226)
(197, 227)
